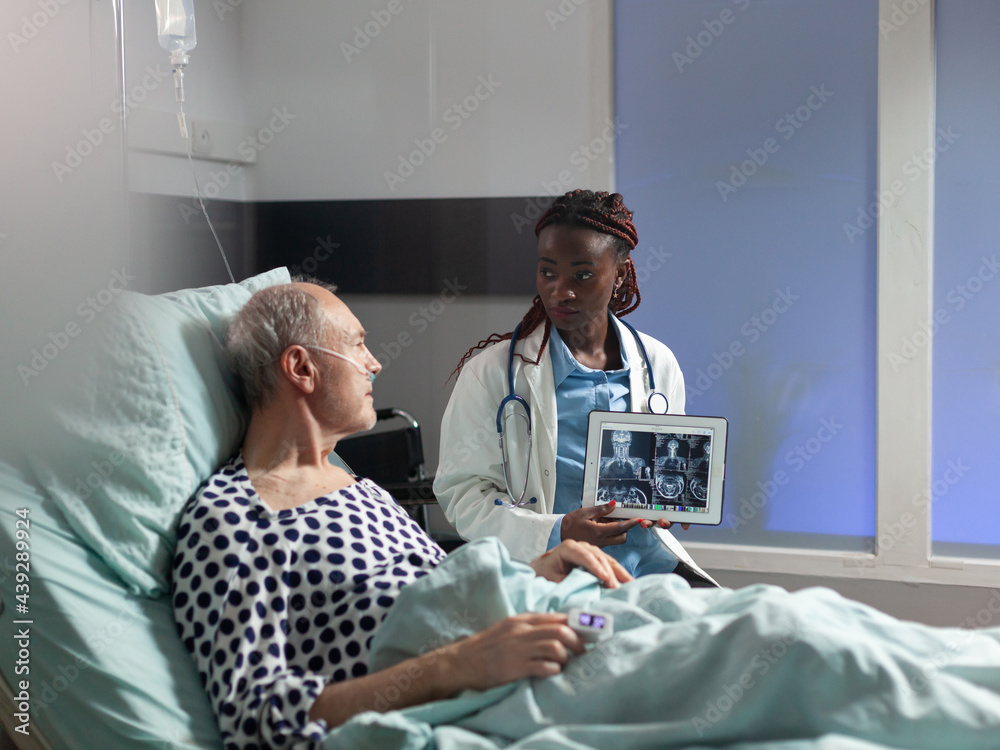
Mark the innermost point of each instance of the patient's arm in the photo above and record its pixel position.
(527, 645)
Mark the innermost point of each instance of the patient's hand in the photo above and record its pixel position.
(534, 644)
(556, 564)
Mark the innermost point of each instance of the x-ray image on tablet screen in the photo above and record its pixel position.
(656, 466)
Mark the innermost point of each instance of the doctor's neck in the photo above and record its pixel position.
(594, 341)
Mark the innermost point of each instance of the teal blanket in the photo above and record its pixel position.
(757, 668)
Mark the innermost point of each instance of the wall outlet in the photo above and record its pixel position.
(156, 132)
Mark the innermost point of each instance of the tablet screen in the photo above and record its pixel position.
(654, 469)
(657, 464)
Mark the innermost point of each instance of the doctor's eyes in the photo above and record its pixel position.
(548, 273)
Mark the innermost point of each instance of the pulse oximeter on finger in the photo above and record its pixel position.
(591, 625)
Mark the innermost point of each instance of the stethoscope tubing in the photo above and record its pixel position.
(655, 398)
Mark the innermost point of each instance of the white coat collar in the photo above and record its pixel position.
(540, 376)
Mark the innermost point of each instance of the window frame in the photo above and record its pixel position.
(903, 548)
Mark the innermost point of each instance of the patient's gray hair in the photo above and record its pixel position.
(271, 321)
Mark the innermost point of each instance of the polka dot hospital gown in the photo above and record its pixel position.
(273, 605)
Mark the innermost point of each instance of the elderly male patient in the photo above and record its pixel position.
(286, 564)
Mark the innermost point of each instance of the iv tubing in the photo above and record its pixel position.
(201, 202)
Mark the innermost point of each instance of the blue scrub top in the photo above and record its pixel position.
(580, 390)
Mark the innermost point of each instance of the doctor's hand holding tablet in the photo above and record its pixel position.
(599, 525)
(514, 437)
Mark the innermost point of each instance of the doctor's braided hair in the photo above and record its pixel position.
(602, 212)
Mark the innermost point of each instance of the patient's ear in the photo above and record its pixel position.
(299, 369)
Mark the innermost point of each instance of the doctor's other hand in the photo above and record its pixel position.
(590, 525)
(534, 644)
(556, 564)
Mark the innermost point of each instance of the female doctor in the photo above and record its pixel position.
(569, 355)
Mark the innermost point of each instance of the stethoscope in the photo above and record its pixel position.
(656, 402)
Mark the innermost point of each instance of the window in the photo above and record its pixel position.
(748, 156)
(966, 337)
(783, 160)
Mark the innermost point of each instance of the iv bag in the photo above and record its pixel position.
(175, 25)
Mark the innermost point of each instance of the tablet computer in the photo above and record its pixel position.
(656, 466)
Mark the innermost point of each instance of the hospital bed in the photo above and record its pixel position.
(146, 409)
(104, 478)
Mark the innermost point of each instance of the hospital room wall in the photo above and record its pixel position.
(362, 103)
(323, 101)
(496, 97)
(66, 224)
(547, 93)
(165, 219)
(62, 246)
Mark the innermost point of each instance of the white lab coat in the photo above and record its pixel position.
(469, 477)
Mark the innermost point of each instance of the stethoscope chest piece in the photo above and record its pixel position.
(657, 403)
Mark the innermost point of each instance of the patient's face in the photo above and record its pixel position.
(347, 401)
